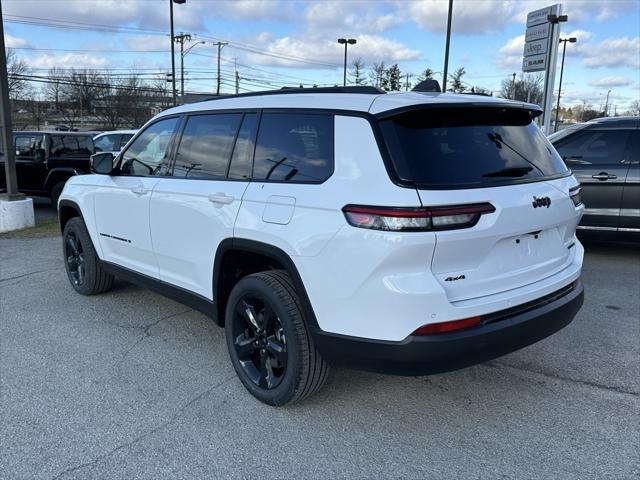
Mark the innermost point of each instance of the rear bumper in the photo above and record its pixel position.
(423, 355)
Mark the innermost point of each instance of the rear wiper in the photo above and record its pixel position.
(509, 172)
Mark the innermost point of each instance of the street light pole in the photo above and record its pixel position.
(446, 48)
(564, 47)
(606, 104)
(346, 42)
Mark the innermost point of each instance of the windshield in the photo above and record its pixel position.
(473, 147)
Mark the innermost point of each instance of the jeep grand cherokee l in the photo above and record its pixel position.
(408, 233)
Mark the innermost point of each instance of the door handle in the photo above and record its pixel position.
(139, 190)
(221, 198)
(604, 176)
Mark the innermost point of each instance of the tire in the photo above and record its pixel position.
(84, 269)
(273, 355)
(56, 190)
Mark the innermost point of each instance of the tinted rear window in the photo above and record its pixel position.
(296, 148)
(479, 147)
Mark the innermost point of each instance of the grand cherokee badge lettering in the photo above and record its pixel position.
(541, 202)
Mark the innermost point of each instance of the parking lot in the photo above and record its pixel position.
(132, 385)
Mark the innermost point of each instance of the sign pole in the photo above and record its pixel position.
(550, 77)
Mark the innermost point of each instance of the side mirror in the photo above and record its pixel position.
(102, 163)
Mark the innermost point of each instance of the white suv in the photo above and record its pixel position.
(406, 233)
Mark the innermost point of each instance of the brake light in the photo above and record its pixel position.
(576, 195)
(416, 219)
(444, 327)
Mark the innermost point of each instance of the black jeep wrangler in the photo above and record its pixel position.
(46, 160)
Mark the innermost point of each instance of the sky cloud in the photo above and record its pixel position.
(611, 81)
(612, 52)
(14, 42)
(287, 51)
(479, 16)
(68, 60)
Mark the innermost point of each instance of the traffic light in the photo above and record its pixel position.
(169, 77)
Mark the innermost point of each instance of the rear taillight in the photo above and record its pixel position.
(444, 327)
(416, 219)
(576, 195)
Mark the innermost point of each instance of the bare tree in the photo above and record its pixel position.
(53, 90)
(357, 72)
(378, 74)
(528, 88)
(17, 69)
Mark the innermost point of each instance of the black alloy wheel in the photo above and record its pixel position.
(259, 341)
(84, 269)
(75, 259)
(268, 340)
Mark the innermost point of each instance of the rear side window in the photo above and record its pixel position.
(124, 139)
(295, 148)
(469, 148)
(106, 143)
(26, 145)
(206, 144)
(71, 146)
(594, 147)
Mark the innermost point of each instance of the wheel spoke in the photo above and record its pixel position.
(71, 261)
(266, 317)
(271, 378)
(72, 244)
(80, 273)
(264, 372)
(278, 350)
(249, 313)
(245, 346)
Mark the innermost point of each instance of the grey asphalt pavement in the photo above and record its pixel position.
(130, 385)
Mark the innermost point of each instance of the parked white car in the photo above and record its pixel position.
(113, 141)
(407, 233)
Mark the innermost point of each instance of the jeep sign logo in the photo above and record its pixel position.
(541, 202)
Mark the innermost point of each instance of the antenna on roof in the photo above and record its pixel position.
(427, 86)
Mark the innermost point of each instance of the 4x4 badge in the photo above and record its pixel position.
(541, 202)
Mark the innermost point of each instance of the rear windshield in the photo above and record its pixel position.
(466, 148)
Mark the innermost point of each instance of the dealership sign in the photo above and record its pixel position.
(537, 39)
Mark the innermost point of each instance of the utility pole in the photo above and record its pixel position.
(446, 48)
(219, 45)
(513, 87)
(406, 84)
(181, 38)
(235, 67)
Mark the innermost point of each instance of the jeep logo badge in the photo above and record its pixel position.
(541, 202)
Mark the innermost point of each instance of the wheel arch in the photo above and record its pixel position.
(237, 258)
(67, 210)
(57, 175)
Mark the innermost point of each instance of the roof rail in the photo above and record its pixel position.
(363, 89)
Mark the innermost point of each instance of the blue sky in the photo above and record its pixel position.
(274, 43)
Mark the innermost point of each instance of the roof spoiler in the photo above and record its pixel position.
(427, 86)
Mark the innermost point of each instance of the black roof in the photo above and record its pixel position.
(363, 89)
(56, 132)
